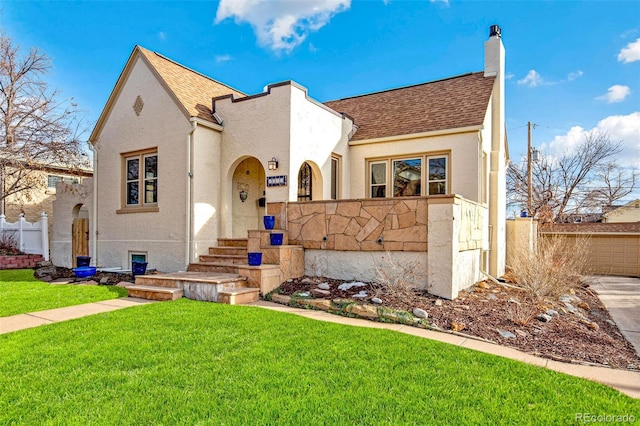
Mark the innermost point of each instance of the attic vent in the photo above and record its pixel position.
(138, 105)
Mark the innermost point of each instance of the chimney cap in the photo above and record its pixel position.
(495, 30)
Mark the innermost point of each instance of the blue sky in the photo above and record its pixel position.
(571, 66)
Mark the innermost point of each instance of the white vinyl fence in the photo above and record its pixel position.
(31, 238)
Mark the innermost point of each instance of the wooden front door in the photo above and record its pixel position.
(79, 239)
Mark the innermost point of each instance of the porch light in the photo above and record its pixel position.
(273, 163)
(243, 195)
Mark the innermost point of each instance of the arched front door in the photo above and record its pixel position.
(248, 188)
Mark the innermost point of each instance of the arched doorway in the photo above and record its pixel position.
(79, 233)
(247, 196)
(305, 182)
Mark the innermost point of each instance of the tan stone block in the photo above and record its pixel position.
(376, 233)
(349, 209)
(370, 226)
(338, 224)
(414, 234)
(314, 229)
(365, 311)
(293, 212)
(421, 212)
(313, 245)
(322, 304)
(407, 219)
(353, 228)
(281, 298)
(346, 243)
(270, 256)
(362, 221)
(371, 246)
(308, 209)
(294, 231)
(393, 245)
(330, 208)
(331, 242)
(411, 204)
(380, 212)
(422, 247)
(400, 207)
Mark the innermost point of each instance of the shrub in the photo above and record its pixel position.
(552, 268)
(397, 276)
(9, 242)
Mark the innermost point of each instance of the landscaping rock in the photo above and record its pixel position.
(324, 286)
(322, 304)
(544, 317)
(522, 333)
(420, 313)
(62, 281)
(363, 294)
(320, 293)
(304, 294)
(438, 302)
(492, 296)
(483, 284)
(349, 286)
(123, 284)
(281, 298)
(552, 313)
(377, 301)
(583, 305)
(89, 282)
(365, 311)
(104, 280)
(307, 281)
(506, 334)
(457, 326)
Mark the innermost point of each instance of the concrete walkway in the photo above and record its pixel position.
(627, 382)
(621, 297)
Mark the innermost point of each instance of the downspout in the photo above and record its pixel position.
(189, 210)
(94, 213)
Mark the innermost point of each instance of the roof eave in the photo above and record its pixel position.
(429, 134)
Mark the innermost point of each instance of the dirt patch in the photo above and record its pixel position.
(576, 328)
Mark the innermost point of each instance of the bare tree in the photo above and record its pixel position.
(576, 182)
(37, 130)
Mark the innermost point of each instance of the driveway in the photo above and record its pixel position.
(621, 297)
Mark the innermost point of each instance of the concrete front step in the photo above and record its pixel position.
(266, 277)
(232, 242)
(151, 292)
(224, 258)
(228, 251)
(239, 296)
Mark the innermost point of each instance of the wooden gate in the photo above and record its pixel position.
(79, 239)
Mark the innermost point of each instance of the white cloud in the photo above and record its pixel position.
(624, 128)
(284, 24)
(575, 75)
(222, 58)
(631, 53)
(616, 93)
(532, 79)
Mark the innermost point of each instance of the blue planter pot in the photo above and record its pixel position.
(276, 238)
(138, 268)
(84, 271)
(254, 258)
(83, 261)
(269, 222)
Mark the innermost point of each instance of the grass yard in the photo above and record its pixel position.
(189, 362)
(20, 293)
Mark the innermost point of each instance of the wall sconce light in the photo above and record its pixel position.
(243, 195)
(273, 163)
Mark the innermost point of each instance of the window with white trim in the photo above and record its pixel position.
(378, 179)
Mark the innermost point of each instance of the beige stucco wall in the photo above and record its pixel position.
(463, 150)
(161, 124)
(285, 124)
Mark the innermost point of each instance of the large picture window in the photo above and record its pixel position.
(140, 179)
(404, 177)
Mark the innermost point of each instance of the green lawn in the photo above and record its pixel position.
(20, 293)
(189, 362)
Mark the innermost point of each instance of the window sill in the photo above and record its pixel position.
(127, 210)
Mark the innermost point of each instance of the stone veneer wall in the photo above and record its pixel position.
(398, 224)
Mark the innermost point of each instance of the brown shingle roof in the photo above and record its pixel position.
(192, 89)
(451, 103)
(592, 227)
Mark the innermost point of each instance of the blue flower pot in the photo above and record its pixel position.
(276, 238)
(254, 258)
(269, 222)
(138, 268)
(83, 261)
(84, 271)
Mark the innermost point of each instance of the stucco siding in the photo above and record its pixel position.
(162, 125)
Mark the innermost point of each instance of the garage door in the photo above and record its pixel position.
(615, 254)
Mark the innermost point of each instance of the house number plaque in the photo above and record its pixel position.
(277, 180)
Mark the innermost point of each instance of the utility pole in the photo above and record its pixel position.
(529, 171)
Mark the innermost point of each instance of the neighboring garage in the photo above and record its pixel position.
(614, 247)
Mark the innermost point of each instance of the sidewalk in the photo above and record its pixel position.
(35, 319)
(621, 297)
(627, 382)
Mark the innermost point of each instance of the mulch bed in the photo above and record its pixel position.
(486, 308)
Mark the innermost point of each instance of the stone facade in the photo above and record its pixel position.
(398, 224)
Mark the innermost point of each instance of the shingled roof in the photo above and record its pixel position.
(192, 89)
(451, 103)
